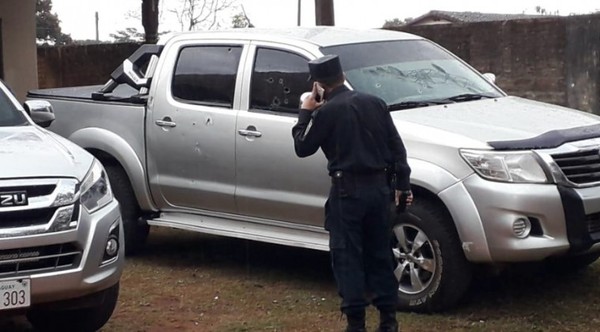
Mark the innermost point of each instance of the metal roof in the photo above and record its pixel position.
(469, 17)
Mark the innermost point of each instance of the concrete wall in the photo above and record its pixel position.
(554, 59)
(76, 65)
(18, 45)
(551, 59)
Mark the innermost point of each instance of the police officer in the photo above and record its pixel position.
(363, 148)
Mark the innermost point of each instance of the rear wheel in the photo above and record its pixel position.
(432, 271)
(136, 229)
(86, 319)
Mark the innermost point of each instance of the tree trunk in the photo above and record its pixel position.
(324, 14)
(150, 20)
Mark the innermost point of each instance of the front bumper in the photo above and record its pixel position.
(89, 272)
(563, 220)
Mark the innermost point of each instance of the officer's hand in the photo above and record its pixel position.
(408, 198)
(311, 102)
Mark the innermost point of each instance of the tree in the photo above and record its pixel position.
(129, 35)
(196, 14)
(542, 11)
(241, 20)
(48, 25)
(396, 22)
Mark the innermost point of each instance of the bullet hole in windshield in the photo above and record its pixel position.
(286, 90)
(378, 85)
(276, 101)
(270, 80)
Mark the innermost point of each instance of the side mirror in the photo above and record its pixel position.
(40, 111)
(490, 77)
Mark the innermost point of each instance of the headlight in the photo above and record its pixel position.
(95, 189)
(506, 166)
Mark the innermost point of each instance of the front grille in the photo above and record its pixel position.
(33, 190)
(28, 261)
(581, 167)
(26, 218)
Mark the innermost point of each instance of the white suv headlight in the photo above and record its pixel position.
(506, 166)
(95, 188)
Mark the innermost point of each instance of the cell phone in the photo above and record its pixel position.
(320, 93)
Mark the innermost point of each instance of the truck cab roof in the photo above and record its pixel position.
(319, 36)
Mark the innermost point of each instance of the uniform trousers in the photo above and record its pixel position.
(358, 220)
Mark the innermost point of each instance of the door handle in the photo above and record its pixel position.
(165, 122)
(249, 133)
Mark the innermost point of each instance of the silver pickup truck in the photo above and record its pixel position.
(195, 133)
(61, 238)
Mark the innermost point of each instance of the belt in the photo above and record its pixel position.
(359, 178)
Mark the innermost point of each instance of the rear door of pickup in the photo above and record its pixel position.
(191, 126)
(272, 182)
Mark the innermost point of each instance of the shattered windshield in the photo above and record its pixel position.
(410, 73)
(9, 114)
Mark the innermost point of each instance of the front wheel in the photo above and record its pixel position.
(432, 271)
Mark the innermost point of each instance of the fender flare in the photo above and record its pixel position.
(114, 145)
(453, 194)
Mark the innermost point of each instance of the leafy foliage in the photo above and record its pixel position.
(48, 25)
(129, 35)
(396, 22)
(241, 20)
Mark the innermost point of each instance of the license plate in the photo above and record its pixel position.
(15, 294)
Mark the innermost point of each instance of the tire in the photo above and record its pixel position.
(571, 264)
(434, 275)
(135, 227)
(86, 319)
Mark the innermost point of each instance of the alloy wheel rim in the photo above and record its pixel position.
(416, 259)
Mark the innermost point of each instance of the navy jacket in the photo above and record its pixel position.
(356, 132)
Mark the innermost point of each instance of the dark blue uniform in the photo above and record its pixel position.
(357, 135)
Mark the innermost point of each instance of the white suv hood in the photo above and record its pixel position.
(500, 119)
(30, 151)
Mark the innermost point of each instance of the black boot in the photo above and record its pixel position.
(387, 321)
(356, 321)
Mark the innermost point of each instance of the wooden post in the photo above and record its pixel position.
(299, 12)
(324, 14)
(150, 20)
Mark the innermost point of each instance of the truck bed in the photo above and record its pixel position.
(123, 93)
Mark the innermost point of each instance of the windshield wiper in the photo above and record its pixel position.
(408, 104)
(469, 97)
(415, 104)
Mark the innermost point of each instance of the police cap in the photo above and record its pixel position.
(325, 69)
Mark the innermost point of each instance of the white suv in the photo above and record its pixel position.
(61, 238)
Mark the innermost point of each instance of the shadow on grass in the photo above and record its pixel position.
(533, 297)
(170, 247)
